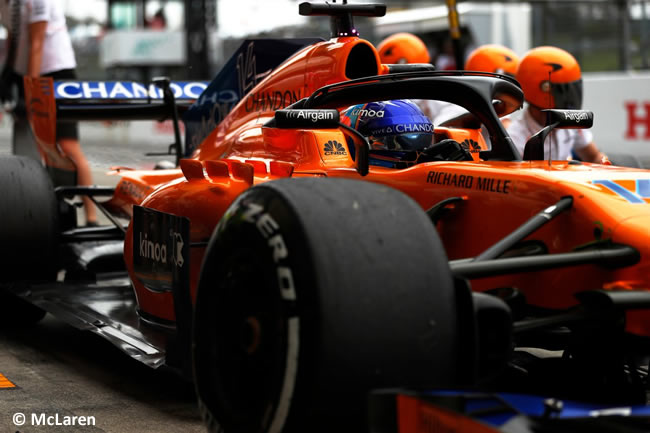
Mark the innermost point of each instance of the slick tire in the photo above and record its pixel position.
(29, 226)
(312, 293)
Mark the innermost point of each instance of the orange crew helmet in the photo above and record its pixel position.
(493, 58)
(403, 48)
(550, 78)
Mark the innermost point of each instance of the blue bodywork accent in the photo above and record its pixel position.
(618, 189)
(251, 63)
(498, 408)
(643, 187)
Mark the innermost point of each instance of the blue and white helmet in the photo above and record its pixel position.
(397, 125)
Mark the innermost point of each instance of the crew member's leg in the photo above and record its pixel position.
(67, 137)
(72, 148)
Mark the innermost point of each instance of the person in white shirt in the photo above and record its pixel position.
(401, 48)
(43, 48)
(494, 58)
(550, 77)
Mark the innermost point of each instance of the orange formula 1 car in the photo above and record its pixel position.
(291, 262)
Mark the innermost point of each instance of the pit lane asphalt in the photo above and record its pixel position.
(59, 370)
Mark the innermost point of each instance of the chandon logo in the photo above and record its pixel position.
(152, 250)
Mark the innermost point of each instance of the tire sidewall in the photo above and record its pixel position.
(261, 226)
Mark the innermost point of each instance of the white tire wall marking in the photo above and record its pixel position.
(288, 384)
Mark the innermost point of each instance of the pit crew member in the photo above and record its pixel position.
(550, 78)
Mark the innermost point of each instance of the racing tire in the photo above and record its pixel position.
(312, 293)
(28, 232)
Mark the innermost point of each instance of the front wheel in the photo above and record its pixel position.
(312, 293)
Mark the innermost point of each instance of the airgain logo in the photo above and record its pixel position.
(333, 147)
(471, 145)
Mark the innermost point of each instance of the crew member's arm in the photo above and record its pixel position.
(36, 40)
(590, 153)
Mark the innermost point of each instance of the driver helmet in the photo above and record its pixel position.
(403, 48)
(493, 58)
(550, 78)
(395, 126)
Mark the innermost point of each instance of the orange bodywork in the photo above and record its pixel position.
(417, 416)
(498, 195)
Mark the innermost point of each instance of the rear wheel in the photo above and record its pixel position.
(28, 231)
(312, 293)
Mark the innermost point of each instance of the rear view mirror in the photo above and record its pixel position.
(569, 119)
(561, 119)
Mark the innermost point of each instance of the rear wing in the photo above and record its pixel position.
(122, 100)
(48, 102)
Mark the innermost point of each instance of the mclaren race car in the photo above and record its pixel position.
(289, 264)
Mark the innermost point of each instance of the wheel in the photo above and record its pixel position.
(29, 228)
(313, 292)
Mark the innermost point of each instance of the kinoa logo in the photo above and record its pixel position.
(158, 252)
(152, 250)
(333, 147)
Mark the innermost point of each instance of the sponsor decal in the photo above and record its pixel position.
(635, 191)
(333, 147)
(158, 252)
(366, 113)
(471, 145)
(247, 76)
(272, 100)
(576, 116)
(313, 115)
(160, 249)
(152, 250)
(235, 80)
(189, 90)
(487, 184)
(413, 127)
(131, 189)
(404, 128)
(638, 116)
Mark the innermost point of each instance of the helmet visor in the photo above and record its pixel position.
(567, 95)
(414, 141)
